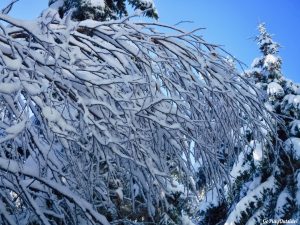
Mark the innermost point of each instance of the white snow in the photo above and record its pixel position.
(211, 199)
(291, 102)
(252, 197)
(271, 61)
(12, 64)
(32, 88)
(119, 192)
(9, 88)
(97, 3)
(147, 3)
(254, 183)
(269, 107)
(297, 91)
(175, 186)
(281, 203)
(16, 128)
(55, 118)
(292, 147)
(275, 89)
(295, 127)
(257, 153)
(186, 220)
(256, 62)
(256, 218)
(242, 165)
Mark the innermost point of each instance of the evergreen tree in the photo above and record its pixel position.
(102, 10)
(265, 183)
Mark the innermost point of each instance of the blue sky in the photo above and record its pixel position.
(231, 23)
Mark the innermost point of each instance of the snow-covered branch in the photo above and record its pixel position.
(91, 111)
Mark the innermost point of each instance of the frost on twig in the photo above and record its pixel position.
(93, 111)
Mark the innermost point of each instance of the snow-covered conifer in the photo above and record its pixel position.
(264, 181)
(102, 10)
